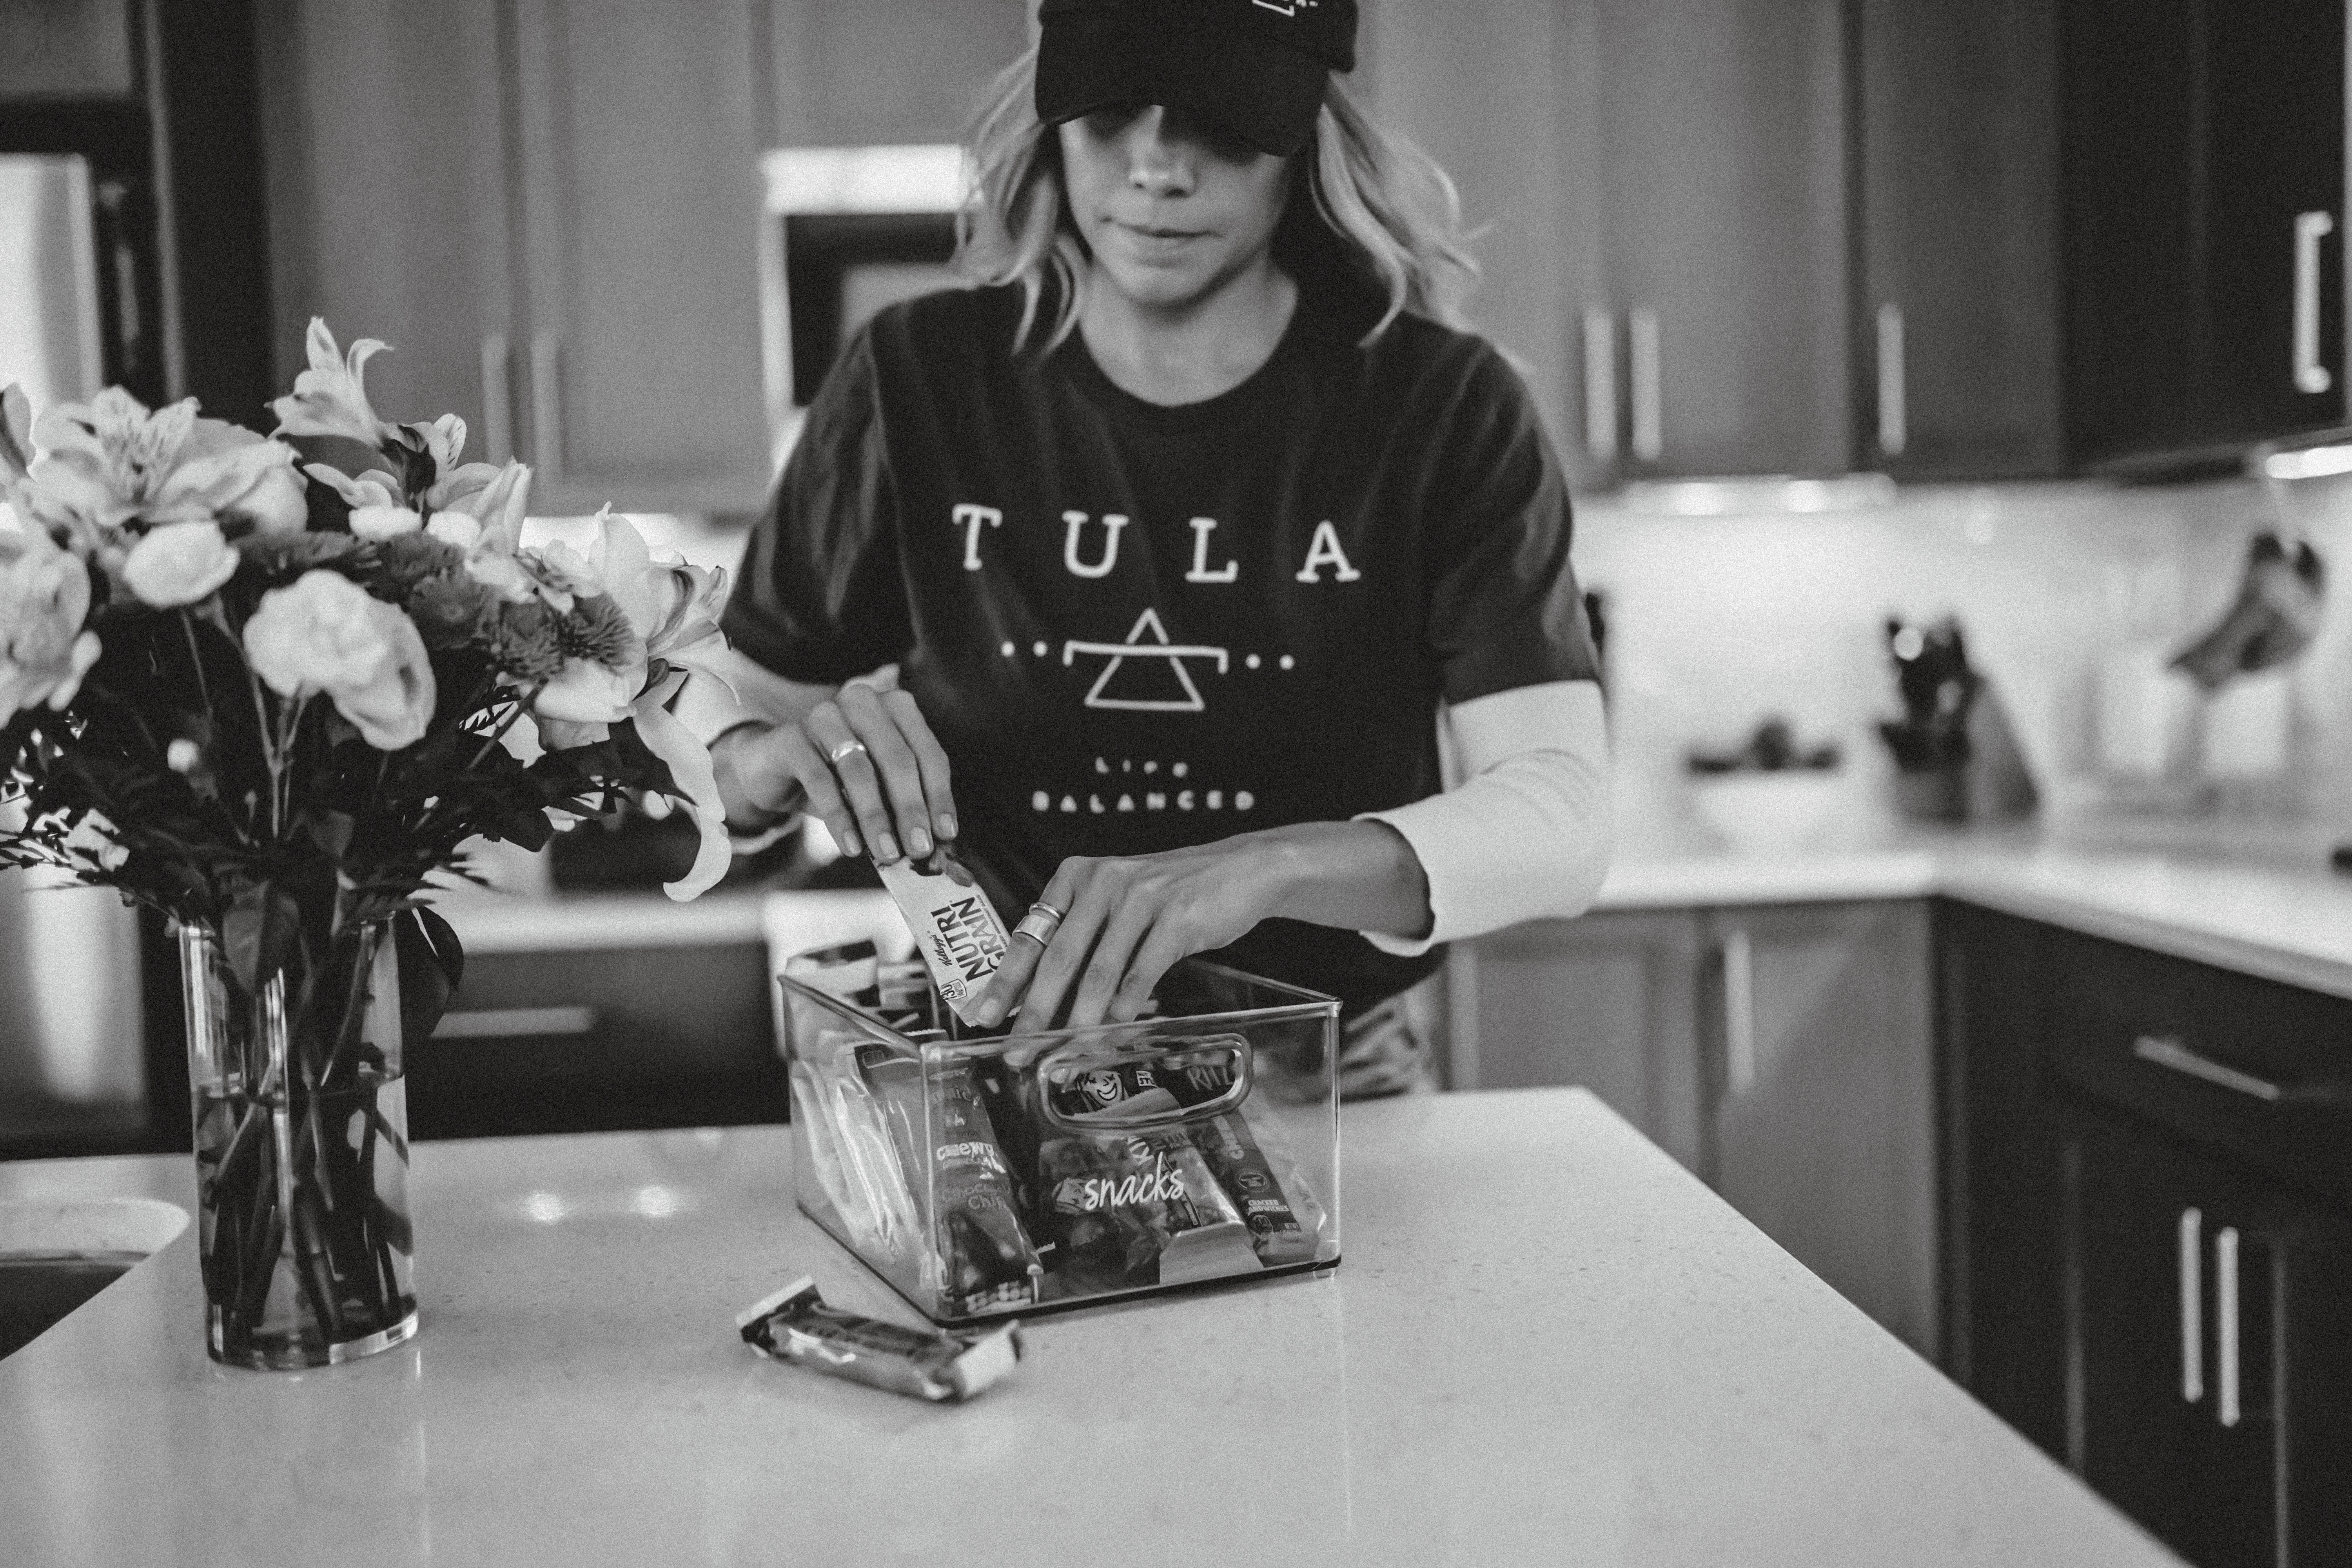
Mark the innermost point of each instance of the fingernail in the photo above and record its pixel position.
(849, 846)
(986, 1014)
(885, 848)
(918, 841)
(947, 824)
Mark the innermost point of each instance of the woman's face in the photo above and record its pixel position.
(1172, 207)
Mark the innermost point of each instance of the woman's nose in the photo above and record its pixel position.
(1157, 162)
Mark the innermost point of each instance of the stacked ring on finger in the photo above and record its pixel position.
(1040, 923)
(844, 752)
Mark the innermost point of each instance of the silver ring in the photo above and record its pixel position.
(844, 750)
(1039, 924)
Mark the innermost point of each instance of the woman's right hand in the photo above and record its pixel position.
(871, 771)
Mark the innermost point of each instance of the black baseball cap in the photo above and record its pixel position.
(1256, 67)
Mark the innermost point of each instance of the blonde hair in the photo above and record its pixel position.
(1371, 204)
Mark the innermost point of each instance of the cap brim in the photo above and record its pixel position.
(1267, 95)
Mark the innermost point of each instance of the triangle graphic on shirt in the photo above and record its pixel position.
(1147, 676)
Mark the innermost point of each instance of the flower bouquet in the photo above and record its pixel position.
(264, 685)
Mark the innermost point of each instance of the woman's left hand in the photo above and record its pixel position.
(1126, 920)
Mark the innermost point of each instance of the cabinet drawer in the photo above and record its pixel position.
(601, 1039)
(2261, 1070)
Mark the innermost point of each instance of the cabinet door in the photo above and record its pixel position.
(2134, 289)
(642, 206)
(1722, 166)
(1818, 1054)
(1605, 1002)
(2273, 185)
(2004, 1331)
(387, 157)
(1503, 94)
(1956, 360)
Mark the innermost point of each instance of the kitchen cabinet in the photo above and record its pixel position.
(1608, 1003)
(1955, 368)
(2203, 195)
(510, 196)
(2148, 1231)
(595, 1039)
(1783, 1053)
(1729, 236)
(1822, 1131)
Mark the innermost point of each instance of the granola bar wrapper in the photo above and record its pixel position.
(796, 1325)
(1258, 1172)
(982, 1258)
(955, 928)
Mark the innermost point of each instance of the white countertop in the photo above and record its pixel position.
(2263, 901)
(1547, 1344)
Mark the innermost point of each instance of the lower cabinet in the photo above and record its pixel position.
(1781, 1052)
(601, 1040)
(2150, 1252)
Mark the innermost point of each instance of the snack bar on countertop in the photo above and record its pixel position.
(796, 1325)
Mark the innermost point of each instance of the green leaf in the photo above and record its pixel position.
(258, 932)
(432, 966)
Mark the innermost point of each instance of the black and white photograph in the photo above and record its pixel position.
(1170, 781)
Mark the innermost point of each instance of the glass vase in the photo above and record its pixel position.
(301, 1137)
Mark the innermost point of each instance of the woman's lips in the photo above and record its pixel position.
(1151, 239)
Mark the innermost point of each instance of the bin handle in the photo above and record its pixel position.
(1079, 1060)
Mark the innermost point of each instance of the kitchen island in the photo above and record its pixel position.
(1547, 1344)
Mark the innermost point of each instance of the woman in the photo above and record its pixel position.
(1180, 533)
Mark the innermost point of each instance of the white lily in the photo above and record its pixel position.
(111, 464)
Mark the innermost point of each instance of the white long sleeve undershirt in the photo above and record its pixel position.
(1526, 833)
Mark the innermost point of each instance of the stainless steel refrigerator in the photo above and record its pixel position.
(72, 1029)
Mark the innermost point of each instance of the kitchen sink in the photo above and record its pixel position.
(56, 1256)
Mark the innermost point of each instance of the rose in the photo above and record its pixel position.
(179, 564)
(44, 596)
(325, 635)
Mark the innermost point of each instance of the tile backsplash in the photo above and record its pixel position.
(1717, 622)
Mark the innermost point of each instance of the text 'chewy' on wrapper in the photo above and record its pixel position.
(955, 928)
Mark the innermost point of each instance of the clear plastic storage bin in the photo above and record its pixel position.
(1004, 1175)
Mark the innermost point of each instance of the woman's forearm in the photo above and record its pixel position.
(1357, 876)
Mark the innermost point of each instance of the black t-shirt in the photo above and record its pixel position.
(1134, 627)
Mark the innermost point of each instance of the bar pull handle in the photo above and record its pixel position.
(2225, 1325)
(2166, 1052)
(1649, 411)
(1600, 386)
(2310, 229)
(547, 405)
(2192, 1306)
(1739, 1011)
(498, 400)
(1894, 414)
(496, 1023)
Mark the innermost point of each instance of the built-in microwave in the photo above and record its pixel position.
(849, 230)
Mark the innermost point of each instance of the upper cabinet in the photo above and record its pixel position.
(2204, 178)
(550, 210)
(640, 201)
(1743, 237)
(1717, 341)
(1954, 361)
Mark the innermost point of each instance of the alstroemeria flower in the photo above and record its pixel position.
(330, 397)
(326, 635)
(179, 564)
(674, 609)
(384, 521)
(44, 598)
(111, 464)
